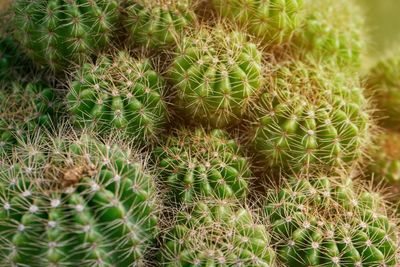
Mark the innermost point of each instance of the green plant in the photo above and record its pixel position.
(310, 117)
(199, 163)
(119, 93)
(58, 34)
(23, 108)
(215, 74)
(321, 221)
(157, 23)
(216, 233)
(71, 201)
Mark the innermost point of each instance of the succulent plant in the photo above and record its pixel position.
(383, 82)
(309, 117)
(75, 202)
(216, 233)
(119, 93)
(157, 23)
(274, 22)
(386, 158)
(59, 34)
(215, 74)
(23, 108)
(199, 163)
(320, 221)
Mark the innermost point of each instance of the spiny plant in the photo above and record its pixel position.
(122, 93)
(383, 82)
(157, 23)
(216, 233)
(58, 34)
(385, 163)
(333, 31)
(215, 74)
(310, 116)
(74, 201)
(200, 163)
(274, 22)
(319, 221)
(23, 108)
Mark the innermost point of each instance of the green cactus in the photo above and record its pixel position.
(59, 34)
(119, 93)
(318, 222)
(215, 74)
(216, 233)
(310, 117)
(332, 32)
(75, 202)
(383, 82)
(273, 21)
(385, 163)
(157, 23)
(23, 109)
(197, 163)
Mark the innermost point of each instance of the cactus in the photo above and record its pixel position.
(310, 117)
(332, 32)
(383, 82)
(197, 163)
(73, 201)
(216, 233)
(319, 221)
(274, 22)
(157, 23)
(121, 93)
(215, 74)
(58, 34)
(24, 109)
(386, 158)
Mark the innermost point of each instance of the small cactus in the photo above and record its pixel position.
(157, 23)
(310, 117)
(215, 74)
(216, 233)
(119, 93)
(320, 221)
(58, 34)
(23, 109)
(75, 202)
(199, 163)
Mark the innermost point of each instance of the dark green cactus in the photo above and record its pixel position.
(119, 93)
(59, 34)
(75, 202)
(216, 233)
(215, 74)
(157, 23)
(197, 163)
(328, 222)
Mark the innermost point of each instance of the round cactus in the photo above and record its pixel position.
(216, 233)
(197, 163)
(58, 34)
(215, 74)
(384, 82)
(23, 109)
(157, 23)
(119, 93)
(332, 32)
(75, 202)
(310, 117)
(274, 22)
(386, 158)
(317, 222)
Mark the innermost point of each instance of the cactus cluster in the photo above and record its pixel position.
(122, 93)
(12, 62)
(75, 202)
(197, 163)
